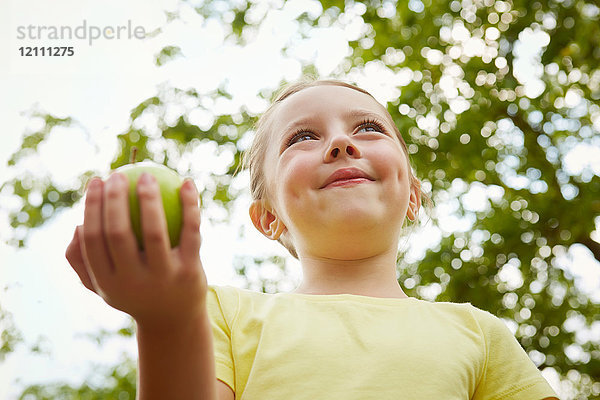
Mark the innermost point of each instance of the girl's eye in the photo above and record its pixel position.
(299, 137)
(371, 126)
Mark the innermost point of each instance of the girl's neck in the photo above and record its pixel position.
(373, 276)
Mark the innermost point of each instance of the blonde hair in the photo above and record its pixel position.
(254, 157)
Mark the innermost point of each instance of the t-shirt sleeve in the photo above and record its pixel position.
(508, 373)
(222, 303)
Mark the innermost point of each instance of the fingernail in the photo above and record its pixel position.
(115, 180)
(189, 184)
(146, 178)
(114, 177)
(93, 183)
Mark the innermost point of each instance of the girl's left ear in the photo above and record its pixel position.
(414, 201)
(265, 220)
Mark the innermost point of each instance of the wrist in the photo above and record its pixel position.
(173, 325)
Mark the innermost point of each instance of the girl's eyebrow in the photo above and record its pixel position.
(351, 114)
(360, 113)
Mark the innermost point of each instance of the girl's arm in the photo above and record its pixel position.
(163, 289)
(177, 362)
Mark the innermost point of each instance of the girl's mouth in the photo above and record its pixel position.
(347, 182)
(347, 177)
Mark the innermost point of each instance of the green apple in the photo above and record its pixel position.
(170, 183)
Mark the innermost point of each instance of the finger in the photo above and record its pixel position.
(75, 258)
(95, 251)
(118, 233)
(154, 224)
(189, 243)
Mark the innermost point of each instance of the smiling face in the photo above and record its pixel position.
(337, 177)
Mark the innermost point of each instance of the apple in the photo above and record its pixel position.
(170, 183)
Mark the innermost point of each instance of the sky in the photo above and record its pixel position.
(98, 86)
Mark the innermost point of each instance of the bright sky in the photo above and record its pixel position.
(98, 86)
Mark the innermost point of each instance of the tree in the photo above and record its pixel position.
(474, 122)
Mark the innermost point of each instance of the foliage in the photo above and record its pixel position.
(473, 121)
(118, 382)
(166, 54)
(487, 130)
(161, 142)
(9, 334)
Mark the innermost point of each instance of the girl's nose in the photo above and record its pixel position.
(349, 150)
(339, 147)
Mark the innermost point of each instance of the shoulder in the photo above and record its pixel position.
(229, 293)
(480, 323)
(229, 299)
(222, 303)
(483, 318)
(490, 324)
(464, 311)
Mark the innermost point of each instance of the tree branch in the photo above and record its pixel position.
(592, 245)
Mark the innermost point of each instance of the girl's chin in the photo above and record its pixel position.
(347, 249)
(355, 224)
(356, 211)
(354, 216)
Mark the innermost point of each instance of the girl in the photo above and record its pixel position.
(331, 180)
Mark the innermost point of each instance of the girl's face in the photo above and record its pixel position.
(338, 180)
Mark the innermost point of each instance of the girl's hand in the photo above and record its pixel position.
(159, 287)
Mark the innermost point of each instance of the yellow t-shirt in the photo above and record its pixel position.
(320, 347)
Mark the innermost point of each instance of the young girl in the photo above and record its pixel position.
(331, 180)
